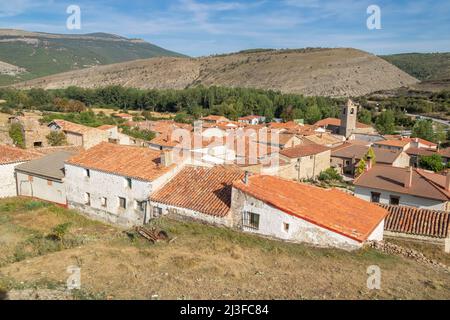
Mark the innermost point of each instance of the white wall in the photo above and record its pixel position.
(405, 199)
(7, 180)
(111, 187)
(272, 223)
(41, 189)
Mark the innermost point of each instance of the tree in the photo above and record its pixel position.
(423, 129)
(365, 116)
(371, 154)
(361, 167)
(17, 135)
(330, 175)
(385, 122)
(434, 163)
(56, 139)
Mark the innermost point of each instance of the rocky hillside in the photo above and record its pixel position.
(325, 72)
(27, 55)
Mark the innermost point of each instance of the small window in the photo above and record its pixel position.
(347, 162)
(49, 183)
(286, 227)
(128, 183)
(157, 212)
(140, 206)
(251, 220)
(352, 111)
(394, 201)
(37, 144)
(122, 203)
(87, 199)
(104, 202)
(375, 197)
(88, 173)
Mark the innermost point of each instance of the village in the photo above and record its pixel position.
(337, 183)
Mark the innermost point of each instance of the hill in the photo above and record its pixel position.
(28, 55)
(203, 262)
(312, 72)
(423, 66)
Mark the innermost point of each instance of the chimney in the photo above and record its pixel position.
(447, 181)
(408, 178)
(246, 176)
(369, 163)
(167, 158)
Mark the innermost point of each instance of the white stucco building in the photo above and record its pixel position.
(404, 186)
(291, 211)
(10, 158)
(113, 183)
(43, 178)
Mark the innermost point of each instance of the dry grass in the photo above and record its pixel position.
(202, 263)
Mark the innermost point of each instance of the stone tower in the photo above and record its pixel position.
(349, 117)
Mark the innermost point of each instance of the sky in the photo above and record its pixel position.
(201, 27)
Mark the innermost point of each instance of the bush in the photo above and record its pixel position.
(56, 139)
(330, 175)
(60, 231)
(16, 134)
(434, 163)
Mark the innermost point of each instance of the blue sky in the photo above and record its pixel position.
(201, 27)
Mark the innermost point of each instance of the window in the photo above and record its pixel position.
(104, 202)
(87, 199)
(394, 201)
(128, 183)
(347, 162)
(122, 203)
(38, 144)
(157, 211)
(88, 173)
(375, 197)
(251, 220)
(352, 111)
(286, 227)
(140, 206)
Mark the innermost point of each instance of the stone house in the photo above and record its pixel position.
(252, 120)
(198, 193)
(35, 134)
(10, 158)
(113, 183)
(79, 135)
(404, 186)
(345, 159)
(291, 211)
(115, 136)
(43, 178)
(304, 162)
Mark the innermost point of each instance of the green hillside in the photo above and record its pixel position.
(45, 54)
(423, 66)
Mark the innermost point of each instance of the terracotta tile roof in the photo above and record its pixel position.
(328, 208)
(324, 139)
(206, 190)
(73, 127)
(349, 151)
(337, 123)
(286, 125)
(303, 150)
(273, 137)
(106, 127)
(423, 141)
(445, 152)
(424, 184)
(10, 155)
(133, 162)
(50, 150)
(393, 143)
(215, 118)
(249, 118)
(415, 221)
(421, 152)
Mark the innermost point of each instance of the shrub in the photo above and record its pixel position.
(434, 163)
(330, 175)
(56, 139)
(16, 134)
(60, 231)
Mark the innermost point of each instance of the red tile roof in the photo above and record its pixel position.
(337, 123)
(328, 208)
(10, 155)
(420, 222)
(303, 150)
(215, 118)
(133, 162)
(393, 143)
(73, 127)
(424, 184)
(205, 190)
(382, 155)
(106, 127)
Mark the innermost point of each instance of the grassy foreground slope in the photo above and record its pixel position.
(423, 66)
(41, 54)
(203, 262)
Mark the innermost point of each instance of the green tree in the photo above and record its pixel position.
(56, 139)
(423, 129)
(365, 116)
(330, 175)
(434, 163)
(361, 167)
(371, 154)
(385, 122)
(17, 135)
